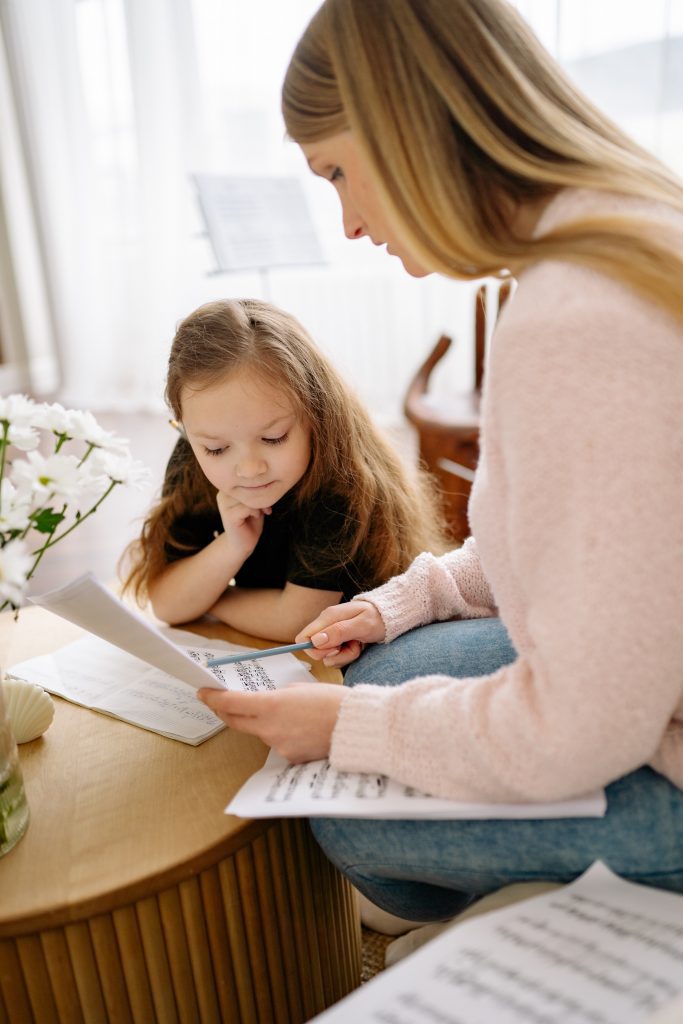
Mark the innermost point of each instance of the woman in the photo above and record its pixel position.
(454, 139)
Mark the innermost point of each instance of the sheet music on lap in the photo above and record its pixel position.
(281, 789)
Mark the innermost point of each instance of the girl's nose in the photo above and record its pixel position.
(249, 467)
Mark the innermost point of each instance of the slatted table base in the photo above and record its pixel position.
(269, 934)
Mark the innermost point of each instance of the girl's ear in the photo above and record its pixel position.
(179, 427)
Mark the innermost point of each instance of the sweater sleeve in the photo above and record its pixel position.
(585, 538)
(434, 589)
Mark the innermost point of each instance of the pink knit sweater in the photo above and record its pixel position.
(577, 523)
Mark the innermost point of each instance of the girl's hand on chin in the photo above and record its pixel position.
(296, 721)
(242, 524)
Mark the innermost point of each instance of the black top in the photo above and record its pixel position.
(297, 545)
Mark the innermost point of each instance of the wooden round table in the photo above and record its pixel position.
(133, 897)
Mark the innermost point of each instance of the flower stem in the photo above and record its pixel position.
(41, 551)
(3, 456)
(90, 448)
(52, 539)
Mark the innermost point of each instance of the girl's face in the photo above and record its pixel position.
(247, 438)
(339, 159)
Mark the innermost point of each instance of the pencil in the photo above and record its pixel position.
(229, 659)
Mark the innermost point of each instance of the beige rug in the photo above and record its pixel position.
(373, 947)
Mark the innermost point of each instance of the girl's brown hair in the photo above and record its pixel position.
(462, 116)
(391, 516)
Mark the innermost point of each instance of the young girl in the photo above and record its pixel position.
(451, 135)
(280, 482)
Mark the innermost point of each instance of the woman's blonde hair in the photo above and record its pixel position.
(462, 115)
(391, 515)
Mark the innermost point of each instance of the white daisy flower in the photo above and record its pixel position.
(93, 481)
(57, 476)
(82, 426)
(47, 496)
(15, 565)
(121, 468)
(23, 438)
(17, 409)
(52, 417)
(15, 508)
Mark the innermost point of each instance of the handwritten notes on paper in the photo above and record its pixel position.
(104, 678)
(308, 790)
(88, 604)
(598, 951)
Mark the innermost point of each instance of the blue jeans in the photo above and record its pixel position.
(429, 870)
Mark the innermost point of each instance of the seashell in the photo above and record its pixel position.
(29, 708)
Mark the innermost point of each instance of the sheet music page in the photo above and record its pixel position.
(102, 677)
(281, 789)
(598, 951)
(90, 605)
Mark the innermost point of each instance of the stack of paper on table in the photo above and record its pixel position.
(133, 671)
(598, 951)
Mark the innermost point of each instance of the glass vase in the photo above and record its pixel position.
(14, 812)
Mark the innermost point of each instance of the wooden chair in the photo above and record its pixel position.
(448, 431)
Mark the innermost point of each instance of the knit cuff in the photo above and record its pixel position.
(361, 729)
(397, 607)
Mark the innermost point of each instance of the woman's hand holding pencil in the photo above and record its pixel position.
(341, 631)
(298, 721)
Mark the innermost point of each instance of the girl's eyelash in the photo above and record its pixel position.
(266, 440)
(336, 173)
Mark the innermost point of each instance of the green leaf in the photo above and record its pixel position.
(47, 520)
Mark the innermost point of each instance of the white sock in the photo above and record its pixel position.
(408, 943)
(378, 920)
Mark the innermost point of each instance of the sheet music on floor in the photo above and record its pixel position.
(598, 951)
(281, 789)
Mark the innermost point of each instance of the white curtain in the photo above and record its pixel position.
(628, 57)
(119, 102)
(26, 324)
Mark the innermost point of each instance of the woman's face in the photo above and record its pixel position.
(339, 160)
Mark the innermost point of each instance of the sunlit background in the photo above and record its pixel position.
(108, 108)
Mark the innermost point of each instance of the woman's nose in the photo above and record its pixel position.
(354, 226)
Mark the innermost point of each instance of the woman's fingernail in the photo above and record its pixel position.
(320, 639)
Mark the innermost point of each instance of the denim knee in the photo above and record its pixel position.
(462, 649)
